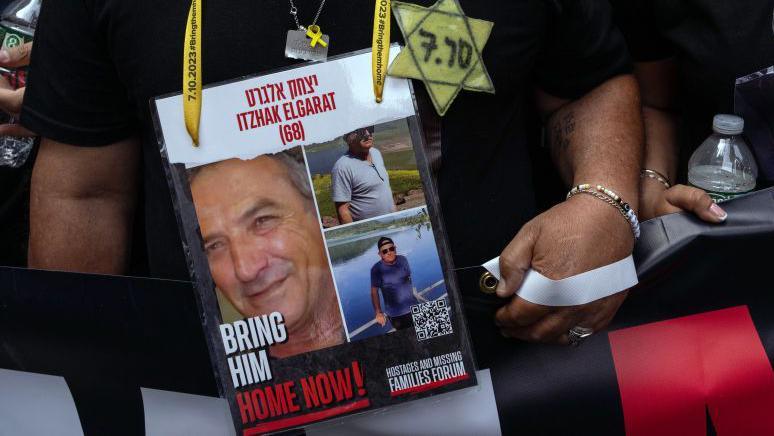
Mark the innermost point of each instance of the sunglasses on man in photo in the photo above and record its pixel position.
(388, 249)
(364, 133)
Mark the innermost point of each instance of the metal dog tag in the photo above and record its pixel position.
(298, 47)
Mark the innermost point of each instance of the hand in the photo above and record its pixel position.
(578, 235)
(11, 99)
(381, 319)
(656, 200)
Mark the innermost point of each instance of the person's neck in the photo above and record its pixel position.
(391, 263)
(326, 330)
(362, 155)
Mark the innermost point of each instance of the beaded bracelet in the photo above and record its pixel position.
(655, 175)
(611, 198)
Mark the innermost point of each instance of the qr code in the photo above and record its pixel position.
(432, 319)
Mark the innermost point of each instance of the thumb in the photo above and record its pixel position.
(17, 56)
(697, 201)
(15, 130)
(11, 100)
(515, 260)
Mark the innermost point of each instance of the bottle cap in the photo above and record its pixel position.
(728, 124)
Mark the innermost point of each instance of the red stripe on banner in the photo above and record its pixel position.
(306, 419)
(429, 386)
(670, 371)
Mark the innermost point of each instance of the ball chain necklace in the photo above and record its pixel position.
(307, 43)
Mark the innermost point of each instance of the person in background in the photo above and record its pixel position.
(687, 55)
(11, 99)
(14, 182)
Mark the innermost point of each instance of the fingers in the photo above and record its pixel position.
(11, 100)
(17, 56)
(520, 313)
(530, 322)
(697, 201)
(596, 315)
(515, 260)
(552, 328)
(4, 83)
(15, 130)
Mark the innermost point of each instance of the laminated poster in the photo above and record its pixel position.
(314, 241)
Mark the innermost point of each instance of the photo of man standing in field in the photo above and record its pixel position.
(360, 183)
(368, 172)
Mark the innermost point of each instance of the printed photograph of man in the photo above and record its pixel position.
(360, 183)
(392, 276)
(382, 267)
(368, 172)
(265, 249)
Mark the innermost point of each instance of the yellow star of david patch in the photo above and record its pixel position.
(443, 49)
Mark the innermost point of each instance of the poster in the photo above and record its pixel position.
(315, 245)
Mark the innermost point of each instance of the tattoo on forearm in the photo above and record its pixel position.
(561, 130)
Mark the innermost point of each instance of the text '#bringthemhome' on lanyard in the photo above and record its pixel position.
(192, 61)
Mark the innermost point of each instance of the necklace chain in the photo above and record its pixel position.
(294, 13)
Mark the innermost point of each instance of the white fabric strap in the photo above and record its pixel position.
(575, 290)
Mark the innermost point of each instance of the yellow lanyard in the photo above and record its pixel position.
(192, 61)
(380, 46)
(192, 71)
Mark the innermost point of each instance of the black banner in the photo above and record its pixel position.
(109, 336)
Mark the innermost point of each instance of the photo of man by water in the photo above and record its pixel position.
(392, 276)
(382, 266)
(368, 172)
(263, 242)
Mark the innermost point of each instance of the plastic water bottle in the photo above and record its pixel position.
(723, 165)
(17, 26)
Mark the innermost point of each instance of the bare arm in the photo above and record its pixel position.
(342, 210)
(658, 85)
(375, 300)
(378, 314)
(82, 204)
(657, 81)
(596, 139)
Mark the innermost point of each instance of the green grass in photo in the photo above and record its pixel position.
(400, 160)
(401, 181)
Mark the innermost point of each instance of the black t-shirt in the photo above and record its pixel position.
(713, 42)
(96, 64)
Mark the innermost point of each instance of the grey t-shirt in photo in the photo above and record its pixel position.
(364, 185)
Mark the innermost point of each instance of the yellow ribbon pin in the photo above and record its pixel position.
(315, 33)
(192, 74)
(380, 46)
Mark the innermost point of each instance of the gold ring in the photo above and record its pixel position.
(488, 283)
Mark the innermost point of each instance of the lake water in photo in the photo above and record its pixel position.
(392, 139)
(321, 160)
(353, 257)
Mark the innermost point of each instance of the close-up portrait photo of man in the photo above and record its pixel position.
(360, 184)
(265, 249)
